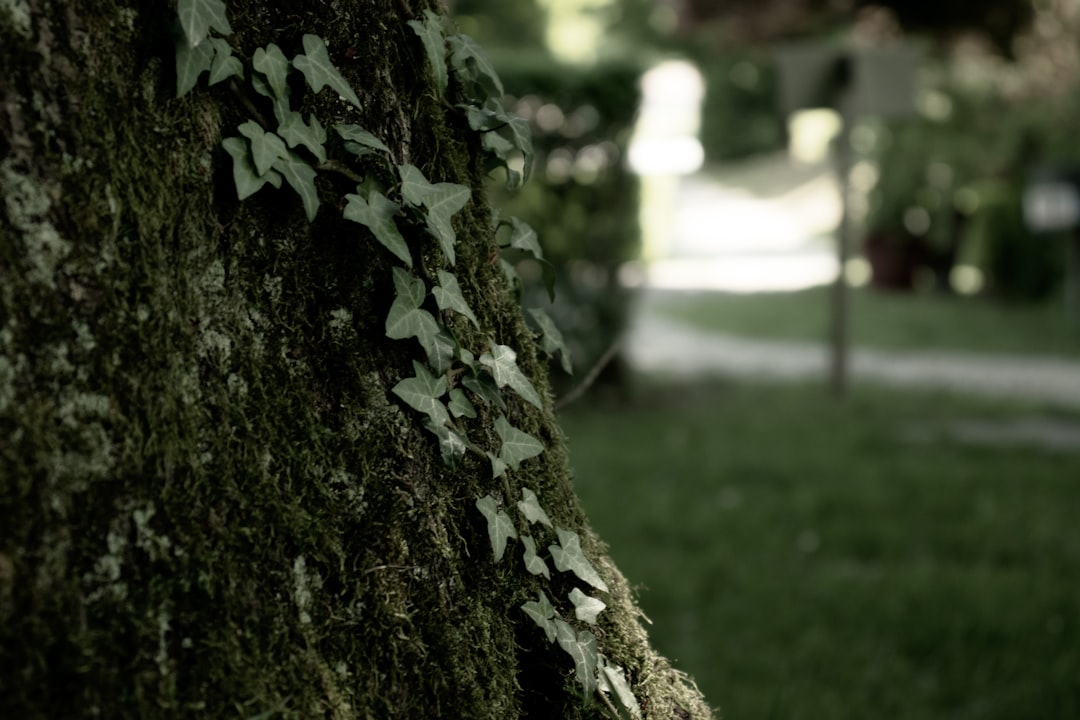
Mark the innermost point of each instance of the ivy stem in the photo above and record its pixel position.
(341, 169)
(590, 378)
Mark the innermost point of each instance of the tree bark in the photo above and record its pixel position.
(211, 504)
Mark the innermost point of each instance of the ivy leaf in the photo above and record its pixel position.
(485, 389)
(266, 147)
(581, 647)
(500, 526)
(296, 132)
(541, 611)
(440, 350)
(530, 508)
(519, 128)
(198, 17)
(498, 467)
(523, 237)
(551, 339)
(377, 214)
(246, 179)
(406, 318)
(191, 62)
(451, 445)
(502, 361)
(448, 296)
(613, 675)
(568, 556)
(460, 405)
(444, 200)
(470, 60)
(422, 393)
(431, 34)
(273, 64)
(415, 188)
(225, 65)
(301, 176)
(354, 135)
(516, 445)
(586, 608)
(533, 562)
(319, 71)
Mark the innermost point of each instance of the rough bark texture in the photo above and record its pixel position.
(210, 503)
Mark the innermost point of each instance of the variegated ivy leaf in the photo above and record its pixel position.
(377, 214)
(448, 296)
(301, 176)
(356, 138)
(431, 34)
(452, 446)
(485, 389)
(582, 648)
(551, 340)
(517, 446)
(586, 608)
(422, 393)
(542, 613)
(246, 179)
(529, 506)
(569, 557)
(319, 71)
(274, 66)
(612, 679)
(502, 361)
(191, 62)
(266, 147)
(225, 65)
(297, 132)
(198, 17)
(533, 562)
(500, 526)
(460, 405)
(474, 67)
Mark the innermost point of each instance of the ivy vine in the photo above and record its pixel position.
(292, 150)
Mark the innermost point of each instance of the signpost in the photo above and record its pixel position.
(854, 82)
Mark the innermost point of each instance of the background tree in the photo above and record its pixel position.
(212, 501)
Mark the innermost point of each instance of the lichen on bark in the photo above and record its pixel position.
(210, 502)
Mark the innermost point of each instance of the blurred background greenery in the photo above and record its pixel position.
(906, 553)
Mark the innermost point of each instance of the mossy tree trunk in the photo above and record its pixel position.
(211, 504)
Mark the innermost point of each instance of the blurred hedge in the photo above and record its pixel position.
(582, 200)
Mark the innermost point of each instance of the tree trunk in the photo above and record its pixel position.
(212, 504)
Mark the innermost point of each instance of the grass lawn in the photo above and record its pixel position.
(805, 559)
(891, 321)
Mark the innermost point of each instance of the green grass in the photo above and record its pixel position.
(806, 559)
(890, 321)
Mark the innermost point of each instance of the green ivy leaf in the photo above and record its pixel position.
(319, 71)
(444, 200)
(301, 176)
(586, 608)
(448, 296)
(198, 17)
(500, 526)
(519, 129)
(530, 508)
(502, 361)
(551, 339)
(422, 393)
(406, 318)
(356, 137)
(191, 62)
(516, 445)
(414, 186)
(440, 350)
(296, 132)
(273, 64)
(460, 405)
(582, 648)
(474, 65)
(541, 611)
(266, 147)
(431, 34)
(485, 389)
(523, 237)
(377, 214)
(246, 179)
(533, 562)
(612, 676)
(451, 445)
(568, 556)
(498, 467)
(225, 65)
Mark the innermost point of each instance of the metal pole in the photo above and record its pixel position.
(838, 374)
